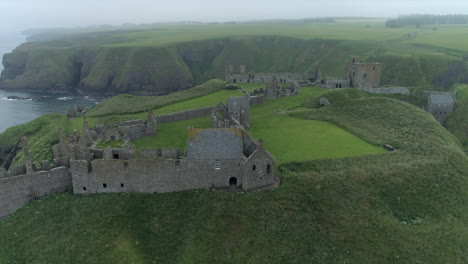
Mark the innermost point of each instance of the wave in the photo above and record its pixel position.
(66, 98)
(7, 99)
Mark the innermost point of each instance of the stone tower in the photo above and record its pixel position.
(363, 74)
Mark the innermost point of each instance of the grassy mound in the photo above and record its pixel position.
(403, 207)
(457, 122)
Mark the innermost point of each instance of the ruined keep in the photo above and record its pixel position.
(363, 74)
(358, 75)
(440, 105)
(241, 76)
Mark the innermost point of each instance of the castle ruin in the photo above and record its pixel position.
(224, 157)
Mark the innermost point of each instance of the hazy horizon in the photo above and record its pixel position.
(19, 15)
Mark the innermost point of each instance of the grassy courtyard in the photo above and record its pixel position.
(287, 138)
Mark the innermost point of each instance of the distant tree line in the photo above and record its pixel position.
(320, 20)
(420, 20)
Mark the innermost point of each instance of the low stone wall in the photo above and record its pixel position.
(185, 115)
(387, 90)
(17, 191)
(263, 77)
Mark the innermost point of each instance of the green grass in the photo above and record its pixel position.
(130, 104)
(457, 121)
(287, 138)
(205, 101)
(292, 139)
(403, 207)
(172, 135)
(462, 93)
(42, 133)
(110, 143)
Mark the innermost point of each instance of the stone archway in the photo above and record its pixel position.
(233, 182)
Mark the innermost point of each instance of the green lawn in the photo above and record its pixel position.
(204, 101)
(172, 135)
(293, 139)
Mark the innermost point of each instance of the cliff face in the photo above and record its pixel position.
(162, 70)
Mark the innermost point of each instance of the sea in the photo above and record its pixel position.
(14, 111)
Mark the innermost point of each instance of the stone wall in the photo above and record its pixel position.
(263, 77)
(185, 115)
(334, 82)
(17, 191)
(153, 175)
(387, 90)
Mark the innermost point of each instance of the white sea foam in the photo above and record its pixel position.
(7, 99)
(66, 98)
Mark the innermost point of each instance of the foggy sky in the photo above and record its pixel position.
(22, 14)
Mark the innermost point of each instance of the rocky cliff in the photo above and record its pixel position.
(99, 69)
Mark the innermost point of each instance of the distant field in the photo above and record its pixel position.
(174, 34)
(448, 36)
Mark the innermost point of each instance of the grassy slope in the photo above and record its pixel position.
(41, 133)
(457, 122)
(404, 207)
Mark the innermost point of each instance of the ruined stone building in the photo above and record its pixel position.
(235, 114)
(241, 76)
(358, 75)
(224, 158)
(274, 90)
(440, 105)
(337, 82)
(215, 158)
(130, 129)
(363, 74)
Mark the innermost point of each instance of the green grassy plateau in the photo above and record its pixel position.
(408, 206)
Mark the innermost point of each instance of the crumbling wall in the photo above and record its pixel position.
(263, 77)
(334, 82)
(17, 191)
